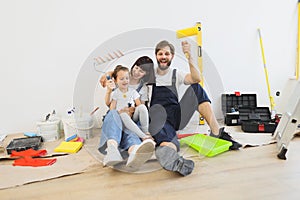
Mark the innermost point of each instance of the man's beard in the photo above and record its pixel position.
(163, 67)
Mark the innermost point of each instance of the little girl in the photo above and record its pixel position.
(124, 97)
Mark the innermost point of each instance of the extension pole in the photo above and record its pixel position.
(272, 103)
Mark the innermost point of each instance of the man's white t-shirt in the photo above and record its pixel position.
(166, 80)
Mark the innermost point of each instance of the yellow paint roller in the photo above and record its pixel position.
(194, 31)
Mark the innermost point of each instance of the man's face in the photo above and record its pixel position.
(164, 58)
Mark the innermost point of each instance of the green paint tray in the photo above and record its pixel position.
(206, 145)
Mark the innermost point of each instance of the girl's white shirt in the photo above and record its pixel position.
(124, 98)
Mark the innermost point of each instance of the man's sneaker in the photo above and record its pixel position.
(140, 154)
(225, 136)
(169, 159)
(113, 156)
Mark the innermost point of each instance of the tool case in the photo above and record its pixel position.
(231, 103)
(256, 120)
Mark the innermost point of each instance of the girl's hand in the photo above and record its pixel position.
(103, 79)
(127, 110)
(110, 84)
(131, 110)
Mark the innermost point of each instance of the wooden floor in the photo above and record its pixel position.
(251, 173)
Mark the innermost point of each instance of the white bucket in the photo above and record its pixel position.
(81, 126)
(49, 130)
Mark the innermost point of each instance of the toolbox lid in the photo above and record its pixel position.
(233, 102)
(255, 114)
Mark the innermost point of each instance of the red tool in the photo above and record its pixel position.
(183, 135)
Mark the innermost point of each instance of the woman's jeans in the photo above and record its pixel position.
(112, 129)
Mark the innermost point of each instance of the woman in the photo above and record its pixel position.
(113, 138)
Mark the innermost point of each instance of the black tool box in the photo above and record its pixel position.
(256, 120)
(21, 144)
(231, 103)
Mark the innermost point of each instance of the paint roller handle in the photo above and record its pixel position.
(104, 78)
(272, 103)
(186, 48)
(187, 55)
(110, 84)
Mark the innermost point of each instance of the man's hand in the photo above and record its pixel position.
(186, 48)
(194, 75)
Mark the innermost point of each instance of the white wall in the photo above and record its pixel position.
(45, 43)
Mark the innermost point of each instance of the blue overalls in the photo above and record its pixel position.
(171, 115)
(167, 97)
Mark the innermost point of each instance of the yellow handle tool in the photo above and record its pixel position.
(195, 31)
(272, 103)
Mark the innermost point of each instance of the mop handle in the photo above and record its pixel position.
(272, 103)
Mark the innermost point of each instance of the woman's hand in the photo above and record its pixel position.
(148, 137)
(103, 81)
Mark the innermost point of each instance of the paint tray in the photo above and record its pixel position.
(21, 144)
(69, 147)
(206, 145)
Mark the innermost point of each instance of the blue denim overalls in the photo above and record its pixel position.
(171, 115)
(167, 97)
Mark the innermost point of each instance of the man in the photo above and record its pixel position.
(168, 114)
